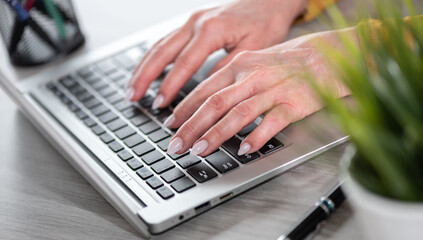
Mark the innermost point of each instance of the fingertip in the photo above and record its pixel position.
(129, 94)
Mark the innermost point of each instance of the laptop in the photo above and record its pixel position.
(120, 147)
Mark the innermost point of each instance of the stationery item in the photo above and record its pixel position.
(316, 215)
(38, 31)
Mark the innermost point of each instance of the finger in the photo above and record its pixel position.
(154, 64)
(185, 65)
(159, 56)
(243, 45)
(214, 108)
(274, 121)
(237, 118)
(187, 107)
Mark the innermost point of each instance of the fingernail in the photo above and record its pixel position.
(199, 147)
(157, 101)
(128, 84)
(175, 145)
(169, 121)
(244, 148)
(129, 94)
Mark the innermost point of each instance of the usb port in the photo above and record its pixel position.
(226, 197)
(202, 207)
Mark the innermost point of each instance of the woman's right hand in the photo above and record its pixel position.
(238, 26)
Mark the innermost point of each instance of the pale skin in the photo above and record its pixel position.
(244, 84)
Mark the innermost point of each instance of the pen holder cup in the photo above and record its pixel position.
(36, 32)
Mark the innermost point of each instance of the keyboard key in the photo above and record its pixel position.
(73, 107)
(107, 117)
(106, 138)
(106, 66)
(68, 82)
(163, 116)
(154, 182)
(143, 148)
(116, 124)
(162, 166)
(114, 98)
(172, 175)
(116, 76)
(232, 146)
(188, 161)
(77, 89)
(92, 79)
(106, 92)
(115, 146)
(140, 119)
(182, 184)
(149, 127)
(122, 105)
(92, 103)
(189, 86)
(89, 122)
(201, 172)
(131, 112)
(175, 156)
(144, 173)
(177, 100)
(160, 111)
(81, 115)
(99, 85)
(98, 130)
(158, 135)
(221, 162)
(247, 129)
(100, 110)
(134, 140)
(134, 164)
(125, 155)
(152, 157)
(85, 72)
(147, 101)
(85, 96)
(124, 132)
(164, 144)
(272, 145)
(165, 192)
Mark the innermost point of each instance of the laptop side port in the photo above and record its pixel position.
(226, 197)
(202, 207)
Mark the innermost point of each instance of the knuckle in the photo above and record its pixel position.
(243, 56)
(211, 24)
(188, 130)
(216, 103)
(274, 122)
(182, 62)
(243, 110)
(217, 132)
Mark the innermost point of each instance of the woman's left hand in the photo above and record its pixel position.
(254, 83)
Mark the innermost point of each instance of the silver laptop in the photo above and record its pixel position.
(120, 147)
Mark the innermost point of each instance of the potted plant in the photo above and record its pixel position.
(385, 124)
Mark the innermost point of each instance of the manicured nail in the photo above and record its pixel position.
(157, 101)
(199, 147)
(175, 145)
(129, 94)
(169, 121)
(244, 148)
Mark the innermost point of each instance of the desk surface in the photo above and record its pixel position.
(43, 197)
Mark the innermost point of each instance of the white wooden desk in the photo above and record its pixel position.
(43, 197)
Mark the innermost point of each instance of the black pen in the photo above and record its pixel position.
(316, 215)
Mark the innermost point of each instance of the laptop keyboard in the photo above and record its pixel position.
(135, 132)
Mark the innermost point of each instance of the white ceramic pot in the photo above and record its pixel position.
(382, 218)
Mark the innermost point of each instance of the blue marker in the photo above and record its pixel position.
(22, 14)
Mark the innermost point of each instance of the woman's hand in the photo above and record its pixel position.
(254, 83)
(241, 25)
